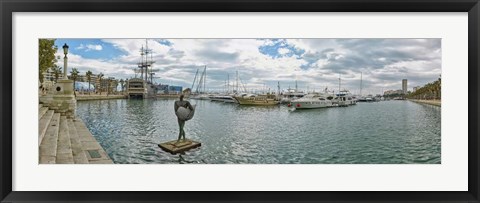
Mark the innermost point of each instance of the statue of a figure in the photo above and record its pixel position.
(184, 111)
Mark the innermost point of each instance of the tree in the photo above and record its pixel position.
(100, 75)
(74, 75)
(57, 71)
(122, 83)
(108, 85)
(46, 56)
(116, 86)
(88, 74)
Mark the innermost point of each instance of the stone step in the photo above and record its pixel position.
(41, 112)
(79, 156)
(40, 106)
(94, 151)
(64, 145)
(43, 124)
(48, 146)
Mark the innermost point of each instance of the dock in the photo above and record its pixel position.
(174, 148)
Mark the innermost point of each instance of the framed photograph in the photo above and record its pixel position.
(265, 101)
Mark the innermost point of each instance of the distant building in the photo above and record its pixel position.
(169, 89)
(175, 89)
(404, 86)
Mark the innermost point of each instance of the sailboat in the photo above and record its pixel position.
(199, 93)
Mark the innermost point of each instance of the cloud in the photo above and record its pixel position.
(314, 63)
(90, 47)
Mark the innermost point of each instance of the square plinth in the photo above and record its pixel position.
(175, 147)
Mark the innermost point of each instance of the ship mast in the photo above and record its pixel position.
(145, 63)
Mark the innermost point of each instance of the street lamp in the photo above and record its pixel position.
(65, 59)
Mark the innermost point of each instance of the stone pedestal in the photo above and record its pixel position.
(61, 99)
(63, 87)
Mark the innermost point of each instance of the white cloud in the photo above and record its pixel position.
(283, 51)
(383, 62)
(90, 47)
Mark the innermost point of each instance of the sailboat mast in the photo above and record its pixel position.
(205, 79)
(360, 83)
(237, 82)
(194, 79)
(339, 82)
(228, 83)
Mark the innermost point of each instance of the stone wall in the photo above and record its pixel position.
(99, 97)
(63, 104)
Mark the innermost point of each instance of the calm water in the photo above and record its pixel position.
(387, 132)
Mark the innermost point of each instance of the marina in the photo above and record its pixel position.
(97, 118)
(390, 132)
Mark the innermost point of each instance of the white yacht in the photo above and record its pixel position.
(345, 98)
(223, 98)
(290, 96)
(312, 101)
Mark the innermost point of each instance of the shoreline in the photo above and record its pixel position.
(430, 102)
(99, 97)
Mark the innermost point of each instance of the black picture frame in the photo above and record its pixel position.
(8, 7)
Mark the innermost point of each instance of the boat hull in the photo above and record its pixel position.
(311, 105)
(253, 101)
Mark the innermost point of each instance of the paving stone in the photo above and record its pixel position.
(64, 146)
(79, 156)
(43, 124)
(47, 160)
(48, 145)
(41, 112)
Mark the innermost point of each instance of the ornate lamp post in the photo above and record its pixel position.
(62, 97)
(65, 60)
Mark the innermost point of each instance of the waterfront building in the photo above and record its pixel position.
(404, 86)
(175, 89)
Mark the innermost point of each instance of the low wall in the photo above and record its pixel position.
(431, 102)
(98, 97)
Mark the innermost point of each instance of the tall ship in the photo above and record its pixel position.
(141, 87)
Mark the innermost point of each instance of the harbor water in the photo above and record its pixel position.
(388, 132)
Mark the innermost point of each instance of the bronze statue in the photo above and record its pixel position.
(184, 111)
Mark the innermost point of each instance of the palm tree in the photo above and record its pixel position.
(89, 78)
(122, 82)
(57, 71)
(108, 86)
(116, 86)
(100, 75)
(74, 75)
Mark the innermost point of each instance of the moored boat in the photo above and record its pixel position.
(312, 101)
(257, 100)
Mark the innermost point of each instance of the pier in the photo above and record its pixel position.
(63, 140)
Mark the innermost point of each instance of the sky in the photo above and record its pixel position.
(378, 64)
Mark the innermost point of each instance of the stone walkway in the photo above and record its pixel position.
(431, 102)
(67, 141)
